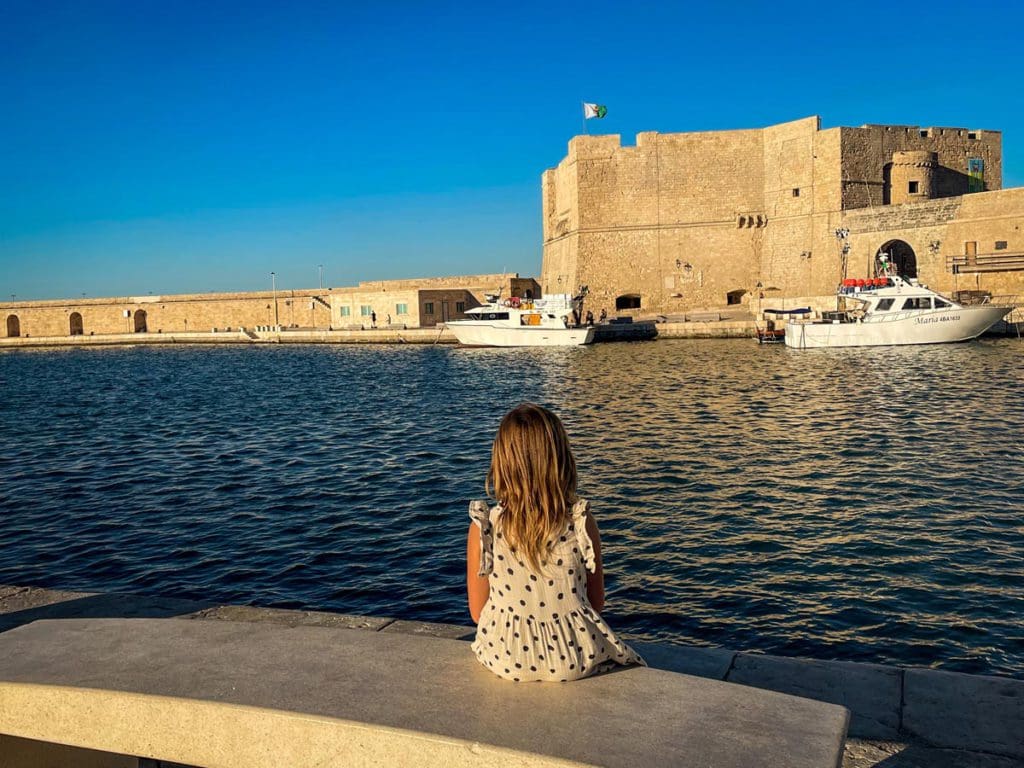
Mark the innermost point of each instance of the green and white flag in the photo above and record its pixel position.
(594, 110)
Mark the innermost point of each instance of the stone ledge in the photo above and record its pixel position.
(938, 716)
(951, 709)
(257, 695)
(872, 692)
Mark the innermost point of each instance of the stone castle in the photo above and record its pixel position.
(710, 219)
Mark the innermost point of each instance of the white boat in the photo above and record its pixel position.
(523, 323)
(892, 311)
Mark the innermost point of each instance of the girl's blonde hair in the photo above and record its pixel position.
(533, 477)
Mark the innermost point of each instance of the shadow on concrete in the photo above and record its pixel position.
(105, 606)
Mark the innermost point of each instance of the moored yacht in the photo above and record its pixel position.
(516, 322)
(891, 311)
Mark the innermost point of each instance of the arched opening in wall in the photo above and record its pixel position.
(627, 301)
(735, 297)
(140, 321)
(900, 255)
(13, 326)
(75, 321)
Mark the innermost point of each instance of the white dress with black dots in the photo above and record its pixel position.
(541, 626)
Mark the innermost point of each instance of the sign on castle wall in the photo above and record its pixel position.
(975, 174)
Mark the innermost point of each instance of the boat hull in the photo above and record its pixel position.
(485, 335)
(898, 328)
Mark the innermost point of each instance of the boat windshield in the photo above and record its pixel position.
(918, 302)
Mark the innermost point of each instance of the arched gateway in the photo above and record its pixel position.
(900, 255)
(140, 321)
(13, 326)
(75, 323)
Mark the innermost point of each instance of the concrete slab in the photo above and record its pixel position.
(23, 605)
(270, 695)
(870, 691)
(431, 629)
(713, 663)
(290, 618)
(965, 711)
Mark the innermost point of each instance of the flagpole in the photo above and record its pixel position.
(583, 111)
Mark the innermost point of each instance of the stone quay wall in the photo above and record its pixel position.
(709, 219)
(899, 715)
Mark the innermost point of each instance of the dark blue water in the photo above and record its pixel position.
(851, 504)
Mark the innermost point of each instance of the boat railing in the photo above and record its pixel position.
(1003, 300)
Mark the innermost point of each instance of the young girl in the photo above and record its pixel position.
(533, 561)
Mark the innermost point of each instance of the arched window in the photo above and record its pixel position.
(140, 321)
(75, 321)
(627, 301)
(13, 326)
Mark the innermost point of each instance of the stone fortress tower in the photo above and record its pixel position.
(912, 177)
(711, 219)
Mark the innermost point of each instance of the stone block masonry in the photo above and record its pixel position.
(712, 219)
(416, 303)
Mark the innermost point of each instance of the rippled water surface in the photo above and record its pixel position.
(850, 504)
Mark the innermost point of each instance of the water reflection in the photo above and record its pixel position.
(840, 504)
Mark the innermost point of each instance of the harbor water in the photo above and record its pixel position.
(865, 505)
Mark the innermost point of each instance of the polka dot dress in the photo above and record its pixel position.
(540, 626)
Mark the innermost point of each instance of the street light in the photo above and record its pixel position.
(273, 285)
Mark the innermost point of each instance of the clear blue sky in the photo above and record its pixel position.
(184, 146)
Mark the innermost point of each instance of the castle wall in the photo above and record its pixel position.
(868, 151)
(684, 220)
(166, 314)
(939, 230)
(311, 308)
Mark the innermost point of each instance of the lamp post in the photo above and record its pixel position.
(273, 286)
(320, 269)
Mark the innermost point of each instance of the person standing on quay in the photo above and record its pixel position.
(604, 314)
(590, 318)
(373, 318)
(387, 320)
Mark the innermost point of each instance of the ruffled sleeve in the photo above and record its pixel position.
(481, 515)
(579, 519)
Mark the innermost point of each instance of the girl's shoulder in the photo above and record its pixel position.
(482, 511)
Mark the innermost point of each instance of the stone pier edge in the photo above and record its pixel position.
(946, 710)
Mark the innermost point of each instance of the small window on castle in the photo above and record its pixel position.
(796, 191)
(428, 308)
(460, 306)
(924, 134)
(972, 135)
(365, 310)
(912, 188)
(1000, 245)
(346, 311)
(401, 309)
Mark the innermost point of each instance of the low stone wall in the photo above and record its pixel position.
(980, 717)
(370, 336)
(722, 329)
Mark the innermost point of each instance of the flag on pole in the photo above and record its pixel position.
(594, 110)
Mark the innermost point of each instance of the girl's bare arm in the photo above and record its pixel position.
(477, 587)
(595, 580)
